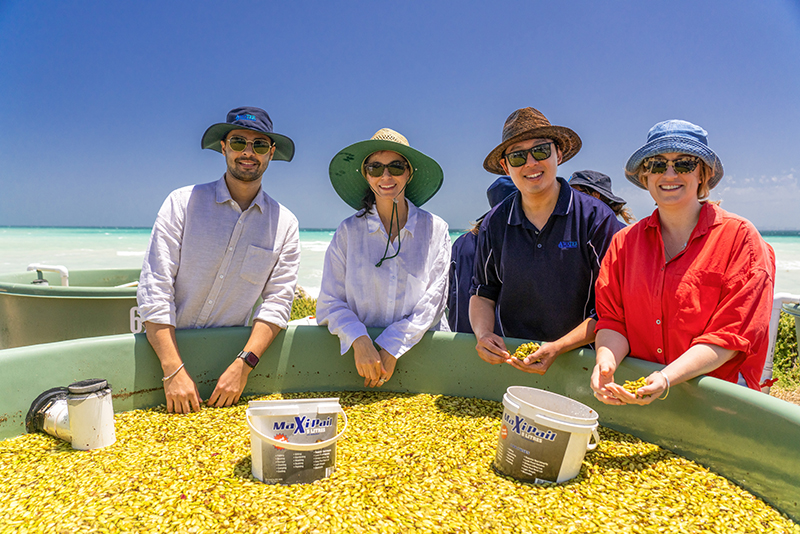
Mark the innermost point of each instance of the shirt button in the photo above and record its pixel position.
(230, 248)
(539, 245)
(659, 351)
(658, 321)
(221, 276)
(211, 302)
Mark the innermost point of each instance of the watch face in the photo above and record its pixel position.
(250, 359)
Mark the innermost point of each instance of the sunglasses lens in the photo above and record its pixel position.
(684, 166)
(237, 144)
(396, 168)
(374, 169)
(517, 159)
(261, 147)
(541, 152)
(658, 166)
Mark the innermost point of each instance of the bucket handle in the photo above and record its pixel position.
(299, 446)
(567, 427)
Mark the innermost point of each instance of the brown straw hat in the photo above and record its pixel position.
(530, 123)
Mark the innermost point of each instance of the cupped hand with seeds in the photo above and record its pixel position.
(538, 362)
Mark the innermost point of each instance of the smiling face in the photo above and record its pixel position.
(387, 186)
(672, 189)
(534, 177)
(246, 166)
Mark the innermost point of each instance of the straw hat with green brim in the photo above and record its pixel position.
(350, 184)
(248, 118)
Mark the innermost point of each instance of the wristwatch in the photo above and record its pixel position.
(249, 358)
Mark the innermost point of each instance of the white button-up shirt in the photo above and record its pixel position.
(208, 262)
(405, 295)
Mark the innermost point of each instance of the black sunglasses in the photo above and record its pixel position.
(518, 158)
(396, 168)
(260, 146)
(681, 166)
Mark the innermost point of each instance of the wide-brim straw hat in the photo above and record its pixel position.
(530, 123)
(676, 136)
(346, 169)
(596, 181)
(248, 118)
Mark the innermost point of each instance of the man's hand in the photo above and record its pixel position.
(181, 392)
(230, 385)
(492, 349)
(538, 362)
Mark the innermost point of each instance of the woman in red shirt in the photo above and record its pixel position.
(689, 287)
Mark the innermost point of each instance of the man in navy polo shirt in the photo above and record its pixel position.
(539, 251)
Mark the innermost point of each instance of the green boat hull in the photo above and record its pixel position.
(90, 306)
(749, 437)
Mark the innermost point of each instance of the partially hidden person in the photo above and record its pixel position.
(215, 249)
(387, 265)
(539, 251)
(462, 261)
(598, 185)
(690, 287)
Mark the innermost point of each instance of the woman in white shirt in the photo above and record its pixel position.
(387, 265)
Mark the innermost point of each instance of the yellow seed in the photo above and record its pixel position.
(526, 349)
(633, 386)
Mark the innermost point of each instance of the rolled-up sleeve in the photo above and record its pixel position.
(740, 321)
(156, 292)
(400, 336)
(332, 307)
(278, 292)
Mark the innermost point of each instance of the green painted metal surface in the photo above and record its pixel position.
(749, 437)
(90, 306)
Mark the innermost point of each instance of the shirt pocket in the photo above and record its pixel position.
(257, 265)
(698, 295)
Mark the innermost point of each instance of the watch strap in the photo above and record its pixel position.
(249, 358)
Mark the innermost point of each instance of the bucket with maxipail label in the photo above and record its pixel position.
(544, 436)
(294, 440)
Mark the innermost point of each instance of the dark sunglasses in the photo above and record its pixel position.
(681, 166)
(260, 146)
(396, 168)
(518, 158)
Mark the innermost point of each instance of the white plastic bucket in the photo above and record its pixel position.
(91, 414)
(544, 436)
(294, 440)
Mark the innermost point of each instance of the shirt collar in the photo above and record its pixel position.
(374, 223)
(563, 205)
(224, 195)
(710, 215)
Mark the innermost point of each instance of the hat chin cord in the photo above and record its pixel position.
(395, 215)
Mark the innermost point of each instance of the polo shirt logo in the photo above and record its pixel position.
(567, 244)
(247, 117)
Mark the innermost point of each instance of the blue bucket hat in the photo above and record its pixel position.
(248, 118)
(500, 189)
(675, 136)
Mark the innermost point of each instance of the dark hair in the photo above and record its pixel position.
(366, 203)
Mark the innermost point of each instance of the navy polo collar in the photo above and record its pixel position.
(563, 206)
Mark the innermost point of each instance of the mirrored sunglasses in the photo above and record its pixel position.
(681, 166)
(260, 146)
(396, 168)
(518, 158)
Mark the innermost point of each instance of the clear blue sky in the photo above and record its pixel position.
(102, 104)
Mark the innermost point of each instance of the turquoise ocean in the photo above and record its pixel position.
(123, 248)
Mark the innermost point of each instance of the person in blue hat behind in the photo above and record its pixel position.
(215, 249)
(598, 185)
(462, 261)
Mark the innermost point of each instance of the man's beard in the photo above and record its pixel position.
(247, 176)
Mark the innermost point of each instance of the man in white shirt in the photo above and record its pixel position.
(214, 250)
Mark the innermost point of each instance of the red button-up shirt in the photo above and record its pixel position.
(717, 291)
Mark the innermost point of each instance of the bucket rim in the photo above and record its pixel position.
(590, 419)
